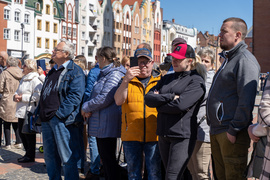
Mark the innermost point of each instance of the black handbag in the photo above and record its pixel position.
(30, 124)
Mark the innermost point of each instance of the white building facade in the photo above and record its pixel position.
(170, 31)
(89, 34)
(19, 32)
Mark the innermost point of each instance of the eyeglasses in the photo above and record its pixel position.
(55, 50)
(144, 62)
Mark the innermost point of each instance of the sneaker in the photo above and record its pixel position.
(18, 146)
(8, 147)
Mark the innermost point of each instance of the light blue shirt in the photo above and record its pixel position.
(63, 65)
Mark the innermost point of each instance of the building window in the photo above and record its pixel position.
(26, 18)
(91, 7)
(17, 1)
(54, 27)
(47, 9)
(83, 19)
(138, 41)
(83, 51)
(16, 35)
(38, 6)
(69, 31)
(74, 32)
(39, 24)
(26, 36)
(38, 42)
(47, 26)
(6, 33)
(54, 43)
(134, 41)
(118, 51)
(55, 11)
(69, 15)
(47, 43)
(98, 23)
(97, 38)
(64, 30)
(90, 51)
(119, 37)
(6, 13)
(83, 35)
(17, 16)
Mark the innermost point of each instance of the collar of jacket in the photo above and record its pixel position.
(70, 66)
(231, 53)
(110, 68)
(30, 76)
(181, 74)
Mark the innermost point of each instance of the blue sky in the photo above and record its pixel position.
(206, 15)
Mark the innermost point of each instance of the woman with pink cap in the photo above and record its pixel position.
(177, 97)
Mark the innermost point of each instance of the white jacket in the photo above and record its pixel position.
(29, 84)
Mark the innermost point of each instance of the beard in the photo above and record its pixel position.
(224, 47)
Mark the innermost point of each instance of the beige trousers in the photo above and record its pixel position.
(198, 164)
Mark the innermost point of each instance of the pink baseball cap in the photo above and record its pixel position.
(183, 51)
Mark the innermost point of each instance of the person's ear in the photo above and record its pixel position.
(238, 35)
(190, 60)
(66, 54)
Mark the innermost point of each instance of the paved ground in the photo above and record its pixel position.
(10, 169)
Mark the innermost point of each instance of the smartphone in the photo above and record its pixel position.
(42, 64)
(133, 61)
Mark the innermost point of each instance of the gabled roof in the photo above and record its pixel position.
(250, 32)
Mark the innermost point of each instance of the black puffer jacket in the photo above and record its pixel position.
(177, 118)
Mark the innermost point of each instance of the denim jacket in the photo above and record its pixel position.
(71, 86)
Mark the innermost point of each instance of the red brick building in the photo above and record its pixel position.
(261, 35)
(3, 24)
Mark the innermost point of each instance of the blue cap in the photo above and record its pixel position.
(143, 52)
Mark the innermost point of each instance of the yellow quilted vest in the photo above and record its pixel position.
(139, 122)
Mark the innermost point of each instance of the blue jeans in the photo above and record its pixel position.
(134, 152)
(60, 145)
(94, 155)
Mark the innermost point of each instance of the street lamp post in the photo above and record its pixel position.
(22, 27)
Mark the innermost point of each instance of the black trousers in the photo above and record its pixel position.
(107, 152)
(175, 154)
(28, 140)
(7, 132)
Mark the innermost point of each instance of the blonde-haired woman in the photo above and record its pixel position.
(177, 97)
(30, 87)
(126, 62)
(9, 82)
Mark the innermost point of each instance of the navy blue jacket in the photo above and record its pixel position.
(91, 79)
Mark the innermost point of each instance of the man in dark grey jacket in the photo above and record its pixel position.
(231, 100)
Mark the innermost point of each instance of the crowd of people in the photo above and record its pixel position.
(173, 120)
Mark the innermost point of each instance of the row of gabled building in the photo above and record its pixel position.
(32, 28)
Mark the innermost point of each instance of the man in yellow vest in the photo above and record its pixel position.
(139, 122)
